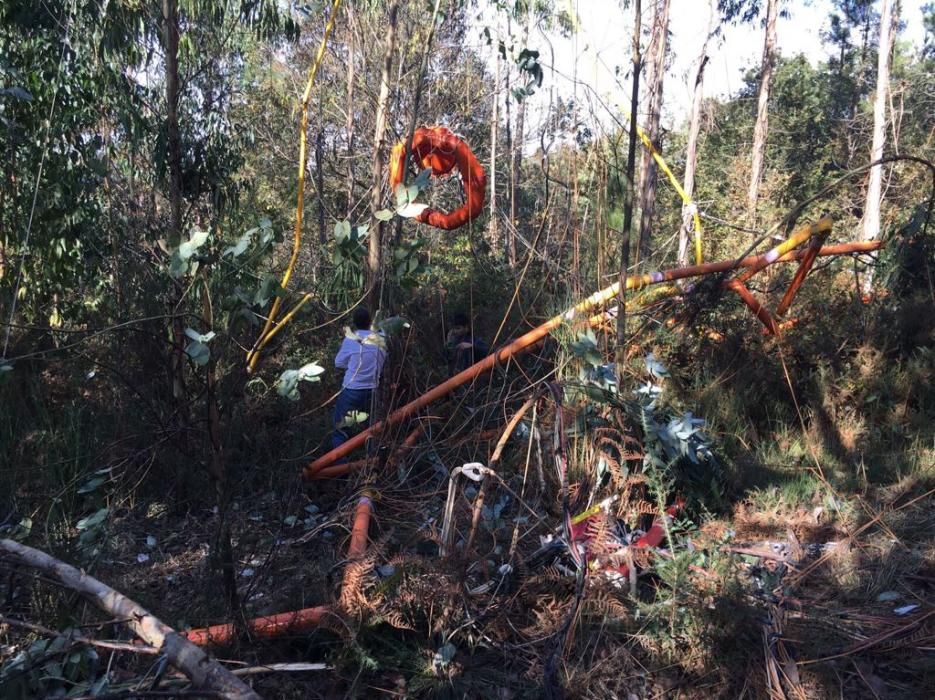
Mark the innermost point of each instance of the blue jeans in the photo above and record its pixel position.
(349, 400)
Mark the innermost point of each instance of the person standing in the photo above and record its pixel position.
(361, 357)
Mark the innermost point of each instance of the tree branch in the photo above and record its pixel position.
(203, 671)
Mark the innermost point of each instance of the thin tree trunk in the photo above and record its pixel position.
(417, 98)
(493, 233)
(691, 150)
(201, 669)
(375, 257)
(517, 155)
(871, 222)
(621, 350)
(349, 107)
(223, 549)
(762, 110)
(648, 169)
(320, 183)
(170, 19)
(509, 239)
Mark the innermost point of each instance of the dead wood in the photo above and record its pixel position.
(201, 670)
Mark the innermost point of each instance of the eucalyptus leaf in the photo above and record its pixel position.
(393, 325)
(191, 246)
(342, 230)
(17, 93)
(287, 385)
(198, 352)
(177, 266)
(422, 179)
(402, 198)
(200, 337)
(241, 246)
(411, 210)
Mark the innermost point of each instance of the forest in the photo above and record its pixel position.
(467, 349)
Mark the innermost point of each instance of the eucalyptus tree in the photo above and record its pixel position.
(656, 70)
(871, 219)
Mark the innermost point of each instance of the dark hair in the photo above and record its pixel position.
(361, 318)
(460, 319)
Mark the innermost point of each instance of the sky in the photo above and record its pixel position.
(603, 42)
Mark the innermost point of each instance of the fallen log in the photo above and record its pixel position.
(203, 671)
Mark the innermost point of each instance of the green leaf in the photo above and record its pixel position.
(422, 180)
(269, 289)
(177, 266)
(384, 215)
(191, 246)
(402, 198)
(287, 385)
(411, 210)
(91, 485)
(342, 230)
(199, 352)
(200, 337)
(393, 325)
(94, 520)
(241, 246)
(352, 418)
(17, 93)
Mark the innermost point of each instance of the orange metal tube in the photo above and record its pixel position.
(297, 620)
(820, 227)
(342, 469)
(268, 626)
(361, 528)
(522, 343)
(760, 311)
(805, 266)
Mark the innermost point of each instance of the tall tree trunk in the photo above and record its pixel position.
(621, 349)
(375, 256)
(320, 183)
(349, 107)
(509, 238)
(170, 19)
(691, 150)
(762, 110)
(170, 23)
(517, 154)
(871, 222)
(648, 170)
(493, 233)
(416, 101)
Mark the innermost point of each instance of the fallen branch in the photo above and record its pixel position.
(297, 667)
(131, 694)
(73, 636)
(201, 670)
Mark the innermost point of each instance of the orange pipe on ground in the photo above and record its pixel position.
(361, 528)
(264, 627)
(342, 469)
(522, 343)
(297, 620)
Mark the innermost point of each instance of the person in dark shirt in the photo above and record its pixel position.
(462, 346)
